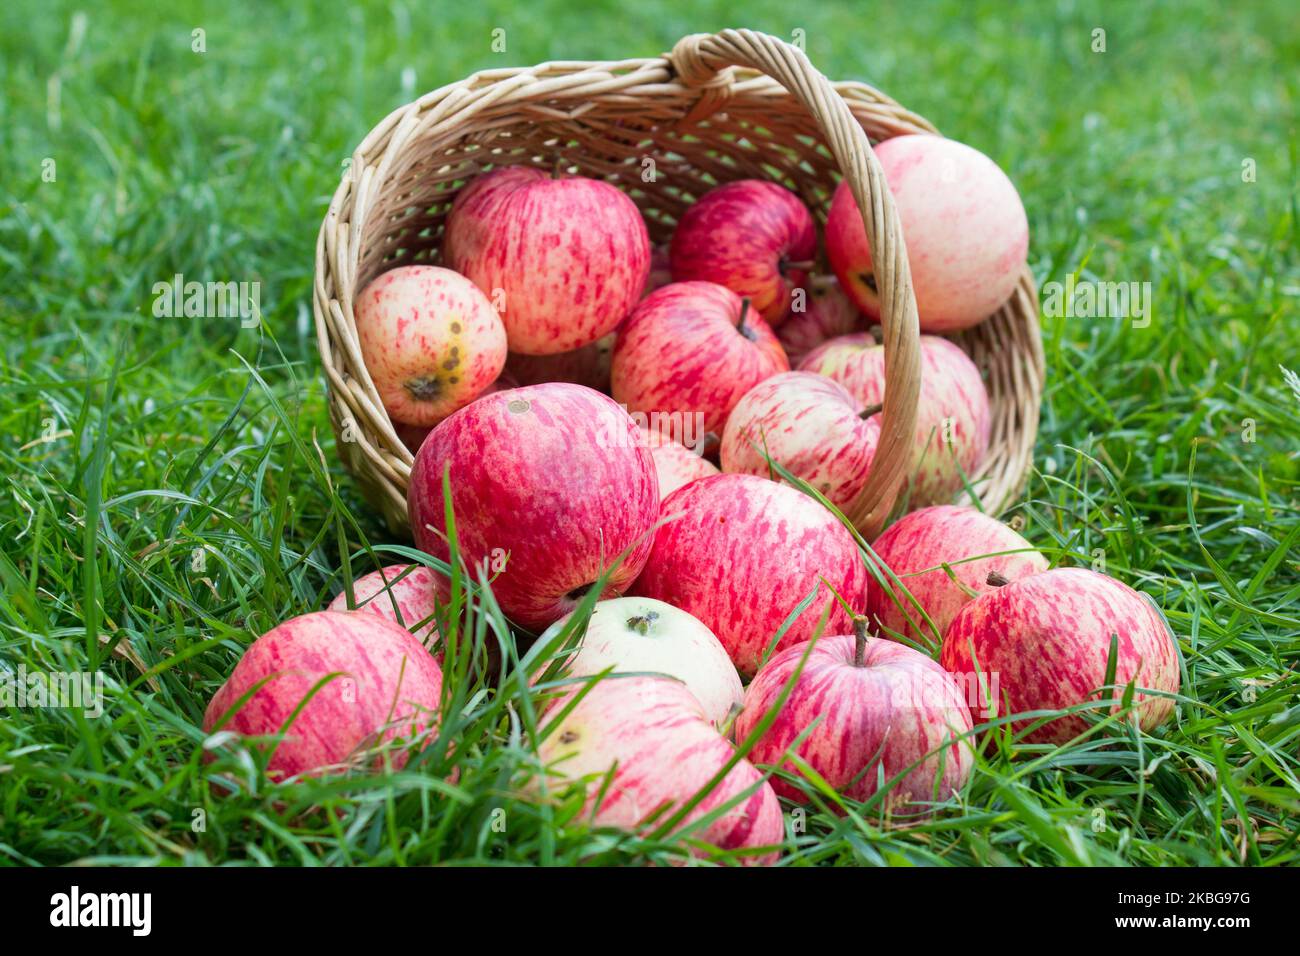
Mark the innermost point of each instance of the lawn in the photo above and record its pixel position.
(172, 490)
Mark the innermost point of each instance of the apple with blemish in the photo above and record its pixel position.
(879, 708)
(431, 341)
(808, 424)
(952, 413)
(406, 594)
(551, 480)
(1043, 644)
(692, 348)
(336, 684)
(644, 746)
(413, 436)
(824, 313)
(567, 256)
(740, 553)
(964, 226)
(675, 464)
(754, 237)
(974, 546)
(636, 634)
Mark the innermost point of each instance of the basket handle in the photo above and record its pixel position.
(697, 61)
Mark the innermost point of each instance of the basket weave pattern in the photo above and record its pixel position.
(733, 105)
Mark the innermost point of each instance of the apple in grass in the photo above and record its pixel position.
(824, 313)
(568, 256)
(963, 223)
(431, 341)
(808, 424)
(675, 464)
(977, 549)
(406, 594)
(740, 552)
(550, 484)
(952, 414)
(359, 679)
(692, 349)
(637, 634)
(754, 237)
(880, 707)
(1043, 643)
(644, 746)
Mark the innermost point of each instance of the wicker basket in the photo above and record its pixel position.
(733, 105)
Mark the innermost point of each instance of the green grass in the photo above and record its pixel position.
(131, 444)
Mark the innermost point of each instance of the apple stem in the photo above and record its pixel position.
(859, 641)
(996, 580)
(557, 171)
(802, 265)
(744, 310)
(870, 410)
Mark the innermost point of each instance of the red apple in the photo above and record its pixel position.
(1042, 643)
(406, 594)
(963, 224)
(826, 313)
(810, 425)
(692, 348)
(740, 552)
(431, 342)
(675, 464)
(385, 686)
(637, 634)
(652, 736)
(563, 258)
(916, 547)
(881, 708)
(588, 366)
(952, 415)
(550, 484)
(754, 237)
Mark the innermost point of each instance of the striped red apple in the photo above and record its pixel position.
(976, 548)
(808, 424)
(1042, 644)
(963, 224)
(550, 485)
(563, 257)
(878, 710)
(740, 553)
(431, 341)
(359, 679)
(952, 415)
(644, 747)
(752, 236)
(692, 348)
(637, 634)
(405, 594)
